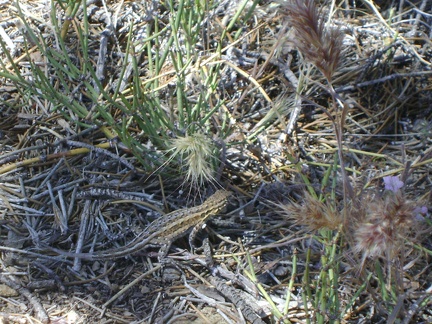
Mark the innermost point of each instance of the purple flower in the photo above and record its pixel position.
(392, 183)
(420, 213)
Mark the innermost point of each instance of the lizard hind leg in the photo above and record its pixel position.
(193, 234)
(163, 251)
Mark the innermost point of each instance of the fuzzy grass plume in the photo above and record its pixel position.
(313, 214)
(319, 44)
(378, 229)
(322, 46)
(386, 222)
(196, 152)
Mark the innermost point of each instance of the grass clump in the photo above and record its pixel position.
(156, 89)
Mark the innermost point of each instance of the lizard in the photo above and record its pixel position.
(164, 230)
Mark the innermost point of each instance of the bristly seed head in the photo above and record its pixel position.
(196, 152)
(319, 44)
(386, 222)
(313, 214)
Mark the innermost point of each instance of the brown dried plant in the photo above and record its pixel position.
(379, 227)
(322, 46)
(385, 223)
(319, 44)
(313, 213)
